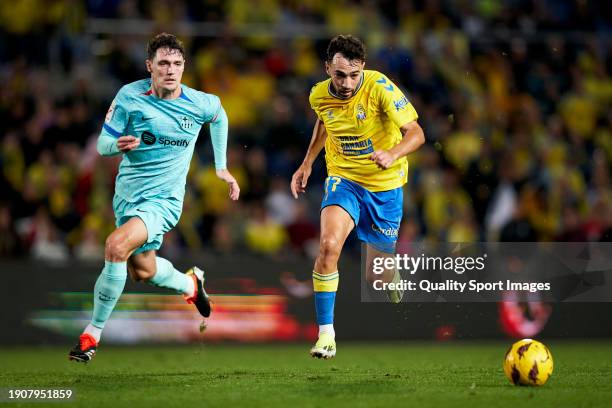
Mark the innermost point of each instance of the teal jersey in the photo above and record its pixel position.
(168, 130)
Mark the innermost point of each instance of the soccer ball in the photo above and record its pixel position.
(528, 362)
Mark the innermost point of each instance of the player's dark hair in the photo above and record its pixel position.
(164, 40)
(352, 48)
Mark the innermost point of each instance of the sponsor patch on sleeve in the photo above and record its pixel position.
(110, 113)
(401, 103)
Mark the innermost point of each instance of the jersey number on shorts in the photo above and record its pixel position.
(335, 182)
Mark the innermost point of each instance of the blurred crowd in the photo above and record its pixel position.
(514, 97)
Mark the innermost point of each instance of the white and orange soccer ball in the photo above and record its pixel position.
(528, 362)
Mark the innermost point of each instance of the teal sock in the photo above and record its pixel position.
(168, 277)
(107, 291)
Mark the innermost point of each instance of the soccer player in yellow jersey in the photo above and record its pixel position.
(368, 127)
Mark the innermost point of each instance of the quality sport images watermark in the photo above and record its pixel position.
(458, 265)
(488, 272)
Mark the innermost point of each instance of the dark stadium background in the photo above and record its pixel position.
(514, 97)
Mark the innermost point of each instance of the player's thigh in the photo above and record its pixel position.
(159, 215)
(143, 265)
(126, 238)
(336, 225)
(340, 210)
(378, 228)
(380, 218)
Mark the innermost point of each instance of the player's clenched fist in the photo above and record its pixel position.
(382, 158)
(299, 180)
(127, 143)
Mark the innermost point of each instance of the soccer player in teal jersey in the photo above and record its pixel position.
(154, 123)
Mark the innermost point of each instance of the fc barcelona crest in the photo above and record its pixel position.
(186, 122)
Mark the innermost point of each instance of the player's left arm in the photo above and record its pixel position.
(393, 103)
(218, 135)
(412, 138)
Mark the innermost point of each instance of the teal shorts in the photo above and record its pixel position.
(159, 215)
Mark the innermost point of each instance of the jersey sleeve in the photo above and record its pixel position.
(218, 137)
(117, 116)
(211, 105)
(393, 102)
(213, 113)
(314, 101)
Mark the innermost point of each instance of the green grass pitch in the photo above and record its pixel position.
(461, 374)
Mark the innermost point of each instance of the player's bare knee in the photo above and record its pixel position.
(115, 249)
(371, 276)
(329, 251)
(142, 274)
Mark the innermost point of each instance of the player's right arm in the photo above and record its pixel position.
(112, 140)
(317, 142)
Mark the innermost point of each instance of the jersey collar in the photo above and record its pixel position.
(181, 95)
(333, 93)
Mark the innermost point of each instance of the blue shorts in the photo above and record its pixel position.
(159, 215)
(377, 216)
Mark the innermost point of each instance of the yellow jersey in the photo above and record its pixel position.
(359, 125)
